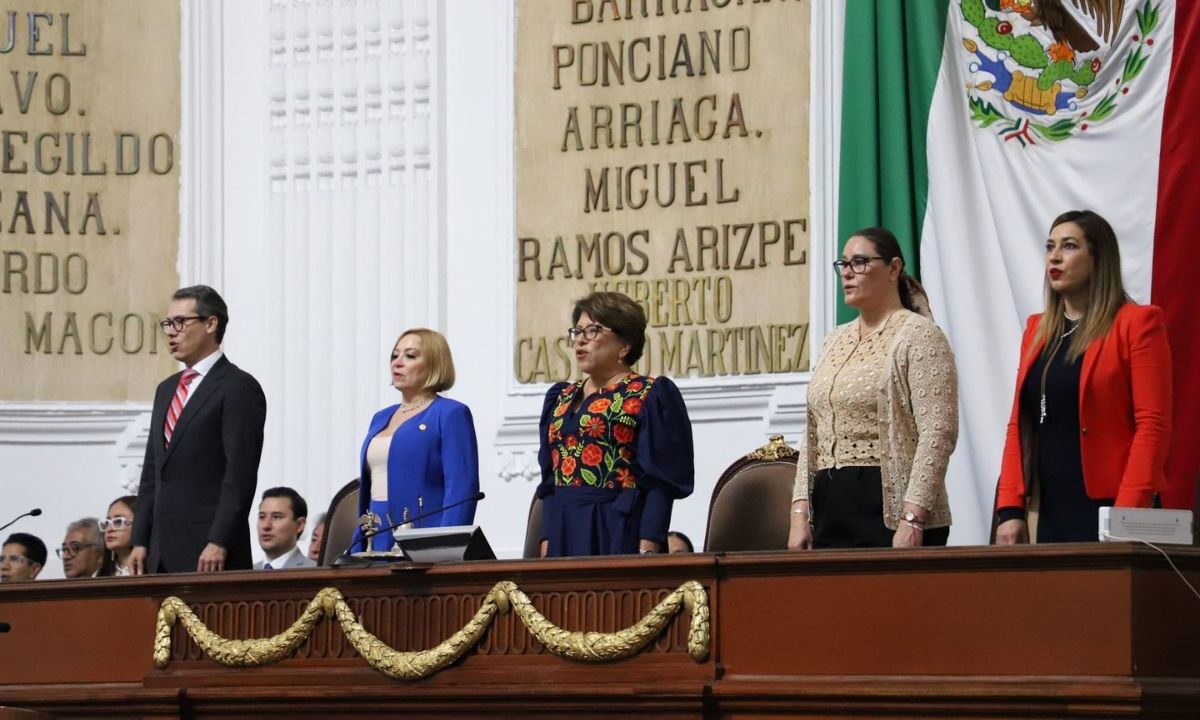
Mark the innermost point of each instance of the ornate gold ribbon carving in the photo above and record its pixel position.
(604, 647)
(584, 646)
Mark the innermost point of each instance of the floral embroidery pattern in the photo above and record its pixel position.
(600, 405)
(600, 451)
(595, 426)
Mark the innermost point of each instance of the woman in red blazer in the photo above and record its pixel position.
(1091, 416)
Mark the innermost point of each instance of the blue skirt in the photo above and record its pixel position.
(589, 521)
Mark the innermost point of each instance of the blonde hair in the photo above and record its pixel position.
(437, 356)
(1106, 291)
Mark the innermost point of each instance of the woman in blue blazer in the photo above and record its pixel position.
(421, 454)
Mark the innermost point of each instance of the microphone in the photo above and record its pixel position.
(344, 557)
(32, 513)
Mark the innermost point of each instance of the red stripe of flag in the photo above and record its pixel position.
(1177, 254)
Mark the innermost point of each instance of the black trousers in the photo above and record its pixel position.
(847, 511)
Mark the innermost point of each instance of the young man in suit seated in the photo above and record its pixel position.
(281, 518)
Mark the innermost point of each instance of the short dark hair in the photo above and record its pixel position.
(209, 303)
(617, 312)
(35, 549)
(299, 507)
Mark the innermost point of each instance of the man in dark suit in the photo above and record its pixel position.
(206, 436)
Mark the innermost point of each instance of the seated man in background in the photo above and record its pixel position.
(82, 550)
(281, 517)
(314, 545)
(23, 557)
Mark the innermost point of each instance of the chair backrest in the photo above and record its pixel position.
(340, 522)
(533, 529)
(751, 504)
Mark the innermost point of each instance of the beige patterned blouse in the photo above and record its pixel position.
(843, 397)
(915, 388)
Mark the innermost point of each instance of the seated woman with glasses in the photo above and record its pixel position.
(117, 527)
(421, 454)
(616, 447)
(1091, 414)
(882, 414)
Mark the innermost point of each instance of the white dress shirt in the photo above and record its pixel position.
(204, 367)
(282, 561)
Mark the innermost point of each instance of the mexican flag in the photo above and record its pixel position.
(969, 125)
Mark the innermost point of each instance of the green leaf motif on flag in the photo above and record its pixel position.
(1134, 64)
(984, 112)
(1147, 18)
(1060, 130)
(1104, 108)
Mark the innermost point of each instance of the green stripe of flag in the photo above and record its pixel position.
(893, 49)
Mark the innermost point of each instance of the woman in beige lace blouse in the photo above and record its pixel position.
(882, 414)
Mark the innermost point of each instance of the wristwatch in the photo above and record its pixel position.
(647, 552)
(911, 518)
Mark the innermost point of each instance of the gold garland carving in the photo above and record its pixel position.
(421, 663)
(238, 653)
(605, 647)
(583, 646)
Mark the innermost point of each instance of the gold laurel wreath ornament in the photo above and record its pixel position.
(414, 665)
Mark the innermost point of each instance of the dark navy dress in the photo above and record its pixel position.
(613, 466)
(1065, 512)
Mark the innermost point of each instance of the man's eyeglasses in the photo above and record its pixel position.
(116, 523)
(857, 264)
(178, 323)
(589, 333)
(15, 559)
(72, 549)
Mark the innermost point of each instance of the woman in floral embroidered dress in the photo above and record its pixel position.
(616, 447)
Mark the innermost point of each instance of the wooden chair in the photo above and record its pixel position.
(751, 504)
(533, 529)
(340, 523)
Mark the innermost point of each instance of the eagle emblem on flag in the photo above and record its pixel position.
(1044, 70)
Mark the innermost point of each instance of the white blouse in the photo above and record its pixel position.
(377, 463)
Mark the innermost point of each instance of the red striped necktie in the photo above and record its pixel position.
(181, 393)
